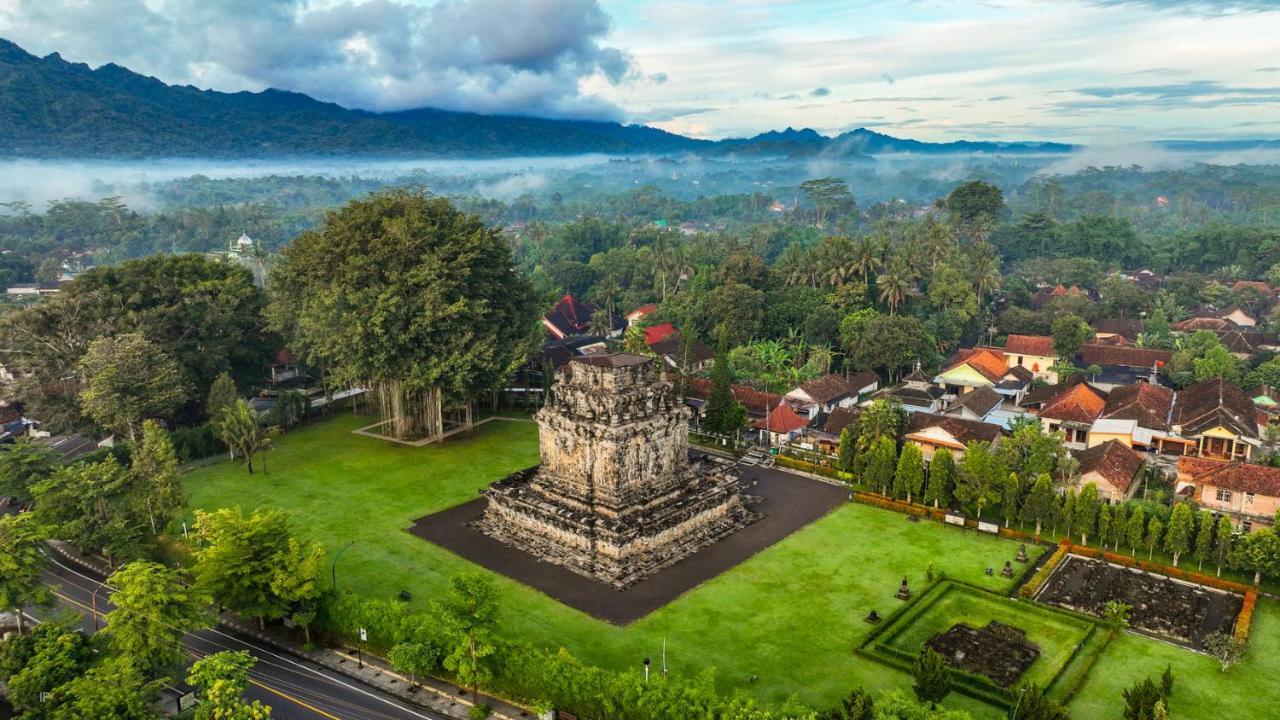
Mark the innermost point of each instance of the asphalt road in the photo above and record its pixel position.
(295, 690)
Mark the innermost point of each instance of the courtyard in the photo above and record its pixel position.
(792, 615)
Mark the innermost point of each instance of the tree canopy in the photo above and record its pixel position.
(402, 290)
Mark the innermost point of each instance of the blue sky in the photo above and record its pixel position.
(1093, 71)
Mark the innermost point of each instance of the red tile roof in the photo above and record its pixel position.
(1116, 462)
(1212, 403)
(754, 400)
(782, 420)
(964, 431)
(1145, 403)
(1080, 403)
(829, 388)
(1258, 285)
(1202, 323)
(987, 363)
(1029, 345)
(642, 311)
(654, 333)
(1095, 354)
(1232, 475)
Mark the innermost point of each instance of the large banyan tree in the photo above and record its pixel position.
(405, 294)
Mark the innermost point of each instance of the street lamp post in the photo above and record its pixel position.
(333, 568)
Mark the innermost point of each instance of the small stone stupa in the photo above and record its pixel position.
(616, 497)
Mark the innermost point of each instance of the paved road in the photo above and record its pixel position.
(295, 690)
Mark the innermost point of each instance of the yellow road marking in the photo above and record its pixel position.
(295, 700)
(268, 688)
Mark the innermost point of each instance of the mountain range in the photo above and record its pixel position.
(50, 107)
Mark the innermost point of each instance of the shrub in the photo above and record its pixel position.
(194, 443)
(1042, 575)
(1245, 618)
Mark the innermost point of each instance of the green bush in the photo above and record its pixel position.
(194, 443)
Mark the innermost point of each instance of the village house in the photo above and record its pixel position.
(635, 316)
(1113, 467)
(829, 392)
(1239, 316)
(1218, 418)
(823, 433)
(935, 432)
(1139, 416)
(1247, 493)
(671, 348)
(1033, 352)
(1117, 331)
(756, 402)
(1121, 365)
(1073, 411)
(573, 317)
(972, 368)
(781, 425)
(916, 393)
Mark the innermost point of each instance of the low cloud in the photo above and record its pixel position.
(479, 55)
(1192, 94)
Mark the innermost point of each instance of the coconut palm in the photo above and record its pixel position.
(866, 256)
(896, 284)
(791, 265)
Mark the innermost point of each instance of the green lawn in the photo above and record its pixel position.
(791, 615)
(1200, 690)
(1056, 634)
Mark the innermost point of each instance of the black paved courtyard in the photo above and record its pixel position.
(788, 503)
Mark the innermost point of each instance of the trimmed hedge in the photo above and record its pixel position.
(803, 466)
(1244, 620)
(1038, 580)
(877, 646)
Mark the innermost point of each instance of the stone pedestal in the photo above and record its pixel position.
(616, 496)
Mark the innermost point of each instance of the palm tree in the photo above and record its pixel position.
(790, 265)
(896, 285)
(241, 430)
(601, 323)
(935, 242)
(662, 260)
(984, 272)
(866, 256)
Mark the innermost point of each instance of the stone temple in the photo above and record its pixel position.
(616, 497)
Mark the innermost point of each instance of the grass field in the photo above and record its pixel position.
(791, 615)
(1056, 634)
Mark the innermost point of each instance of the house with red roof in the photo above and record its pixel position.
(932, 433)
(1113, 467)
(656, 333)
(1121, 365)
(571, 316)
(781, 425)
(1033, 352)
(1248, 493)
(1073, 411)
(635, 316)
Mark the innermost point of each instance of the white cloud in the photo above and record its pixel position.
(483, 55)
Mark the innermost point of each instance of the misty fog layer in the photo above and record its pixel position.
(144, 185)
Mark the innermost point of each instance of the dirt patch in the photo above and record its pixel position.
(1181, 612)
(998, 652)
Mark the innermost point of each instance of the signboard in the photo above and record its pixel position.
(955, 520)
(364, 635)
(989, 527)
(186, 702)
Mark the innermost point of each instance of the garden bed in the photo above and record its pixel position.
(1178, 611)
